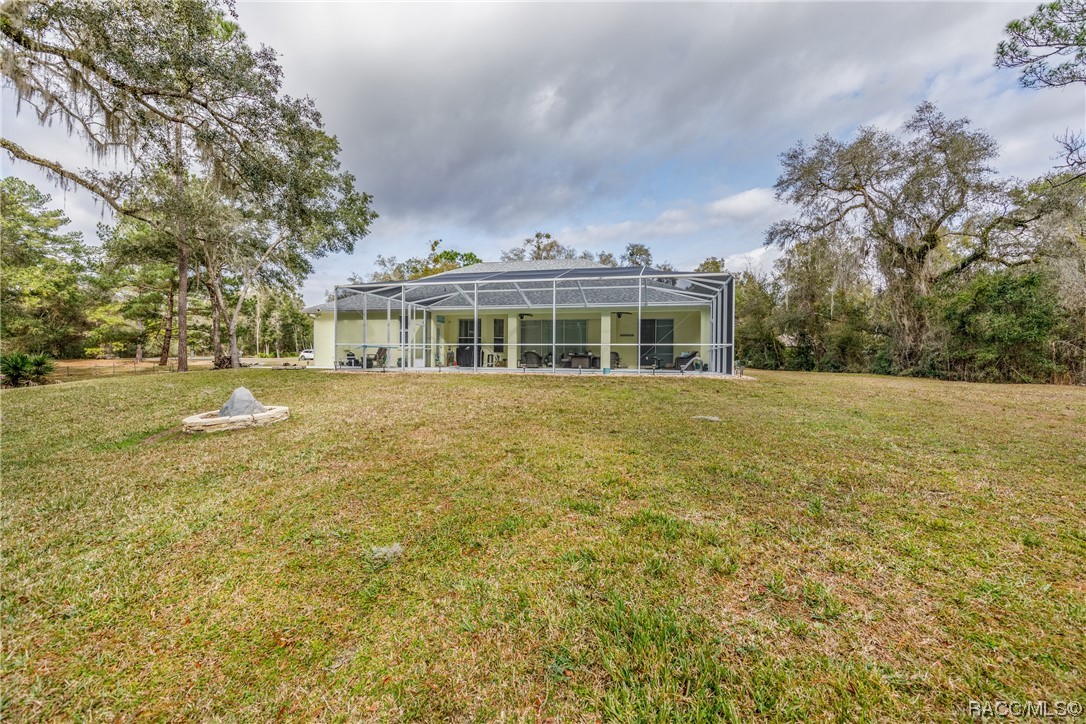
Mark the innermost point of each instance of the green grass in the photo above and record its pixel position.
(835, 547)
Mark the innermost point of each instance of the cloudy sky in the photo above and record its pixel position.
(611, 123)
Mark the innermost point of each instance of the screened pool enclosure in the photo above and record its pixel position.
(546, 316)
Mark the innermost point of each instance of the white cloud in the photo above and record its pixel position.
(745, 205)
(739, 219)
(758, 260)
(668, 224)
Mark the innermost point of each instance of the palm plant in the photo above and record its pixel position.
(19, 368)
(15, 367)
(40, 367)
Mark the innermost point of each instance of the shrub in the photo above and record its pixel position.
(20, 368)
(1000, 327)
(40, 367)
(15, 367)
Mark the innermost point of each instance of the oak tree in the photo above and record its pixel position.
(921, 206)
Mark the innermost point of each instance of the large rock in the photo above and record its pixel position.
(241, 402)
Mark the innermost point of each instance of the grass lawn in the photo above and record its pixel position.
(834, 547)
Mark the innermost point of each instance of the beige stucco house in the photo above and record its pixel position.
(564, 314)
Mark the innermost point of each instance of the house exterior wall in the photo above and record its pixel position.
(349, 335)
(322, 340)
(691, 333)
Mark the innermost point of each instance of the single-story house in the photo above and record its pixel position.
(544, 315)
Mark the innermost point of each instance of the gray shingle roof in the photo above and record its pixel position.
(579, 283)
(493, 267)
(531, 295)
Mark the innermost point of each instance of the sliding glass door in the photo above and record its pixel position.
(569, 337)
(465, 343)
(657, 342)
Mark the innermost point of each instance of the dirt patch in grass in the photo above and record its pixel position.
(161, 436)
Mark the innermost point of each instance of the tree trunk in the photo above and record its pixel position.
(182, 264)
(182, 308)
(257, 340)
(235, 354)
(216, 332)
(167, 330)
(218, 303)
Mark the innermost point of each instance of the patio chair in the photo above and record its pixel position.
(350, 359)
(686, 361)
(616, 361)
(531, 359)
(380, 359)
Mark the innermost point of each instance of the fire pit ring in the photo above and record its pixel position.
(212, 422)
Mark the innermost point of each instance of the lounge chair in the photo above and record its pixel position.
(686, 361)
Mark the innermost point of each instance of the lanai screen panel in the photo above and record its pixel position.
(411, 302)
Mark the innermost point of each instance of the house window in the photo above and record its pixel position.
(466, 333)
(499, 336)
(657, 341)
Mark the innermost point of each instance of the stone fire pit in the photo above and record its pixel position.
(240, 411)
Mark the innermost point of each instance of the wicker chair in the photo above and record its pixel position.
(531, 359)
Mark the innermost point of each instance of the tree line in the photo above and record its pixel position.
(910, 255)
(907, 252)
(225, 187)
(67, 299)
